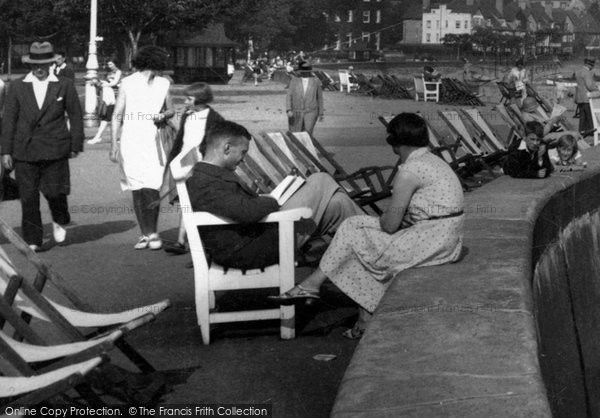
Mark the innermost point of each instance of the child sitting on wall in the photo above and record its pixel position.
(528, 158)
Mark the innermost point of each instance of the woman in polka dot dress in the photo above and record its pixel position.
(422, 227)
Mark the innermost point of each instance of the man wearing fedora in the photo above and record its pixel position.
(585, 84)
(37, 143)
(304, 100)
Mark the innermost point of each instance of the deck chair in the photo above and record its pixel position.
(20, 302)
(68, 321)
(472, 144)
(422, 91)
(366, 186)
(31, 390)
(595, 110)
(345, 82)
(327, 82)
(19, 358)
(486, 134)
(508, 93)
(210, 277)
(432, 89)
(465, 165)
(545, 104)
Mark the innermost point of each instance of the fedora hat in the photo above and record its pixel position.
(304, 66)
(40, 53)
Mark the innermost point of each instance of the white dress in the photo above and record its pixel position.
(140, 160)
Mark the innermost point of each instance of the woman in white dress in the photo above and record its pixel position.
(421, 227)
(142, 102)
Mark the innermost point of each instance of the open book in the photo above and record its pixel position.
(286, 188)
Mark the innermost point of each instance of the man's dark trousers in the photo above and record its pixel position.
(51, 177)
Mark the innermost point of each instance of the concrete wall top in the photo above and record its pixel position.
(460, 339)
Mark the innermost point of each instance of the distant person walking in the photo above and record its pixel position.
(61, 68)
(37, 143)
(585, 84)
(304, 102)
(142, 103)
(108, 88)
(516, 81)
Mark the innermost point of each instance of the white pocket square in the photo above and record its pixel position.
(58, 99)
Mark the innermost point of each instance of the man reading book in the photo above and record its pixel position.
(215, 188)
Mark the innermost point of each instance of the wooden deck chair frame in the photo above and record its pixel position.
(210, 277)
(376, 185)
(422, 91)
(432, 93)
(20, 301)
(55, 359)
(456, 125)
(69, 320)
(464, 166)
(475, 146)
(506, 93)
(487, 134)
(544, 104)
(289, 152)
(594, 99)
(29, 389)
(345, 82)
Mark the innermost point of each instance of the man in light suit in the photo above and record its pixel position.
(37, 143)
(304, 102)
(585, 84)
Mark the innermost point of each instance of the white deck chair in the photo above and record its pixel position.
(14, 386)
(429, 90)
(595, 109)
(345, 81)
(26, 298)
(129, 319)
(211, 278)
(32, 353)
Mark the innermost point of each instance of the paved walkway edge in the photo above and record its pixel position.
(461, 339)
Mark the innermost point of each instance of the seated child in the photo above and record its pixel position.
(566, 152)
(528, 158)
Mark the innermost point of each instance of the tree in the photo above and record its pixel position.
(462, 42)
(126, 22)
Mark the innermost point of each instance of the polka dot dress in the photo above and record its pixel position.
(362, 258)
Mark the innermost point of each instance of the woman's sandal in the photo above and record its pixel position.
(302, 293)
(354, 333)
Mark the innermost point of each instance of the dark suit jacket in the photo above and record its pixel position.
(67, 72)
(212, 118)
(247, 245)
(33, 134)
(521, 164)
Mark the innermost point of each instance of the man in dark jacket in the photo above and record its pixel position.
(215, 188)
(37, 143)
(528, 158)
(60, 68)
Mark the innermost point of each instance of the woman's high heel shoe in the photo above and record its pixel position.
(296, 293)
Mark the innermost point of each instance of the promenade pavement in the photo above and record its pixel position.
(245, 363)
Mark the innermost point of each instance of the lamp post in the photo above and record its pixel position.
(89, 118)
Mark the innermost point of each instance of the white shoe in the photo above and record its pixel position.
(154, 243)
(58, 232)
(94, 141)
(142, 243)
(34, 248)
